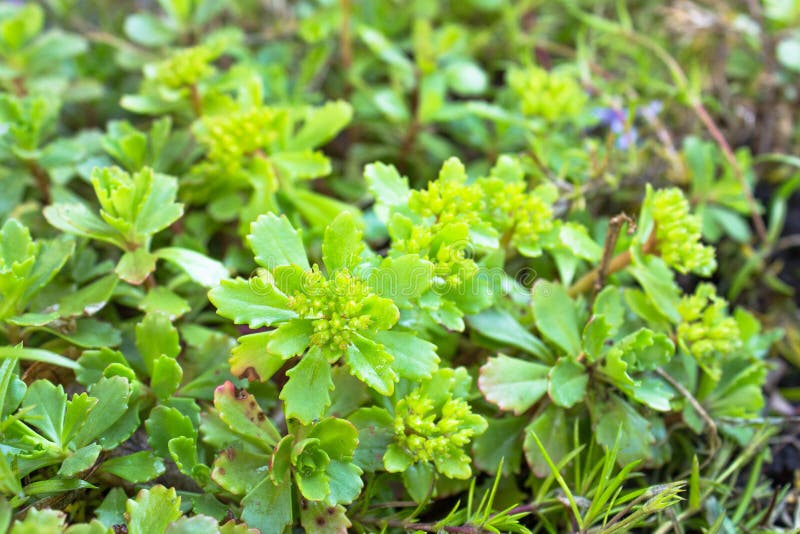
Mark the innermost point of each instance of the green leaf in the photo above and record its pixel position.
(89, 299)
(342, 244)
(56, 485)
(200, 268)
(250, 302)
(337, 437)
(44, 406)
(615, 416)
(499, 325)
(501, 441)
(414, 358)
(250, 358)
(88, 333)
(166, 377)
(402, 279)
(554, 431)
(555, 316)
(112, 402)
(387, 51)
(111, 510)
(654, 392)
(275, 242)
(139, 467)
(183, 450)
(321, 124)
(78, 407)
(608, 303)
(375, 433)
(345, 482)
(93, 363)
(658, 283)
(40, 522)
(164, 424)
(371, 364)
(418, 480)
(318, 209)
(320, 518)
(387, 186)
(466, 78)
(240, 411)
(291, 338)
(307, 392)
(134, 267)
(80, 460)
(155, 336)
(152, 510)
(566, 382)
(161, 300)
(511, 383)
(38, 355)
(595, 334)
(198, 524)
(268, 507)
(575, 237)
(76, 219)
(239, 470)
(51, 258)
(148, 30)
(302, 165)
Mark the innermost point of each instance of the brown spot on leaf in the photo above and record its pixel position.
(320, 521)
(250, 374)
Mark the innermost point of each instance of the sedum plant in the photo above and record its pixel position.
(468, 267)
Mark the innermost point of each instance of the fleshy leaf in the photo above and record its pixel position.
(342, 244)
(250, 358)
(566, 382)
(152, 510)
(555, 316)
(268, 507)
(138, 467)
(275, 242)
(414, 358)
(513, 384)
(371, 364)
(250, 302)
(307, 393)
(243, 415)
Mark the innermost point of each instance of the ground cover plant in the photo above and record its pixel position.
(383, 266)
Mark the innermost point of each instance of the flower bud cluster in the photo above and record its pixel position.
(508, 206)
(336, 306)
(706, 330)
(678, 234)
(186, 67)
(448, 199)
(436, 435)
(550, 95)
(230, 138)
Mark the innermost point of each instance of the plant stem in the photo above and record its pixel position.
(617, 263)
(197, 101)
(41, 177)
(612, 235)
(434, 527)
(345, 38)
(714, 445)
(708, 122)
